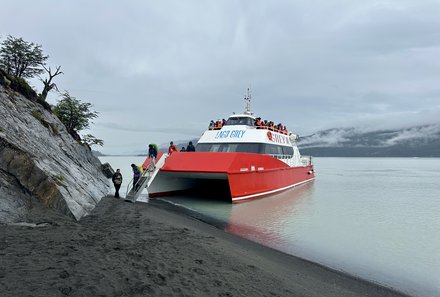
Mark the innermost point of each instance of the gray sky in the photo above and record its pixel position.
(161, 70)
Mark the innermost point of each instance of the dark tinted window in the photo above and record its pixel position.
(270, 149)
(240, 121)
(257, 148)
(250, 148)
(287, 150)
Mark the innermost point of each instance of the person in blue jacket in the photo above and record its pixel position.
(152, 154)
(136, 175)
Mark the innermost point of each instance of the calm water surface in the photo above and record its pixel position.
(376, 218)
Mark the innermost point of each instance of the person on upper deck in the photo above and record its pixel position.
(271, 128)
(258, 123)
(190, 147)
(219, 124)
(211, 125)
(172, 148)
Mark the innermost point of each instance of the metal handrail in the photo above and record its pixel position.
(128, 187)
(281, 156)
(147, 173)
(306, 160)
(144, 173)
(257, 127)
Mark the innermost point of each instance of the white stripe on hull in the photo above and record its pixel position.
(270, 192)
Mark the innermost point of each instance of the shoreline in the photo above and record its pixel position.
(149, 249)
(260, 248)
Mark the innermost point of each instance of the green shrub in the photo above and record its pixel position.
(59, 178)
(21, 86)
(4, 80)
(54, 129)
(36, 114)
(44, 104)
(17, 84)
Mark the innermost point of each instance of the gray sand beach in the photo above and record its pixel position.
(140, 249)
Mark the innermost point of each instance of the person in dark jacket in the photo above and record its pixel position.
(190, 147)
(136, 175)
(117, 182)
(152, 154)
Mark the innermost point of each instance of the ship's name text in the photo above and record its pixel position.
(280, 139)
(230, 134)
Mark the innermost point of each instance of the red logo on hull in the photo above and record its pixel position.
(269, 135)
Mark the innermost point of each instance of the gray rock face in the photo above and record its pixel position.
(41, 163)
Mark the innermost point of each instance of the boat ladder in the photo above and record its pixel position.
(145, 180)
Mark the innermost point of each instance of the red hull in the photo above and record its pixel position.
(248, 176)
(250, 185)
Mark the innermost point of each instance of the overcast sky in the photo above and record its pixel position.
(161, 70)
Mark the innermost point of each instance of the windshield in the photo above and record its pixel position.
(240, 121)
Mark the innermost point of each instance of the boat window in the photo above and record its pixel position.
(256, 148)
(250, 148)
(215, 147)
(240, 121)
(270, 149)
(228, 147)
(287, 150)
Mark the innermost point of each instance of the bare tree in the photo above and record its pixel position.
(48, 84)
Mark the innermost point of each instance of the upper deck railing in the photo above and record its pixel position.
(273, 129)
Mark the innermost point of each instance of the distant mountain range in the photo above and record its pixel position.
(420, 141)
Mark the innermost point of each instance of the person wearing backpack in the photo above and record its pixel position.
(117, 182)
(136, 176)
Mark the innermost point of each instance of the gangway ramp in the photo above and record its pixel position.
(145, 180)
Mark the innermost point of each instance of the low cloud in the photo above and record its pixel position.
(161, 70)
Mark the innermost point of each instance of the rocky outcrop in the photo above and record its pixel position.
(41, 164)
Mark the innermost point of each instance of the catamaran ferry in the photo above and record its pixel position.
(241, 158)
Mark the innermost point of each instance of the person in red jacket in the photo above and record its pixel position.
(172, 148)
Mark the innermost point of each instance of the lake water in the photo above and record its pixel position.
(376, 218)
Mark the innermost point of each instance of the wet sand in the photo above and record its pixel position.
(126, 249)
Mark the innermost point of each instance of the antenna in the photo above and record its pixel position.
(247, 100)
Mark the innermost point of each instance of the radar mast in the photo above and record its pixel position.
(247, 100)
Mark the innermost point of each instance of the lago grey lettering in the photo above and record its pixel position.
(230, 134)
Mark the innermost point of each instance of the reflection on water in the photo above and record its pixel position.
(265, 220)
(262, 220)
